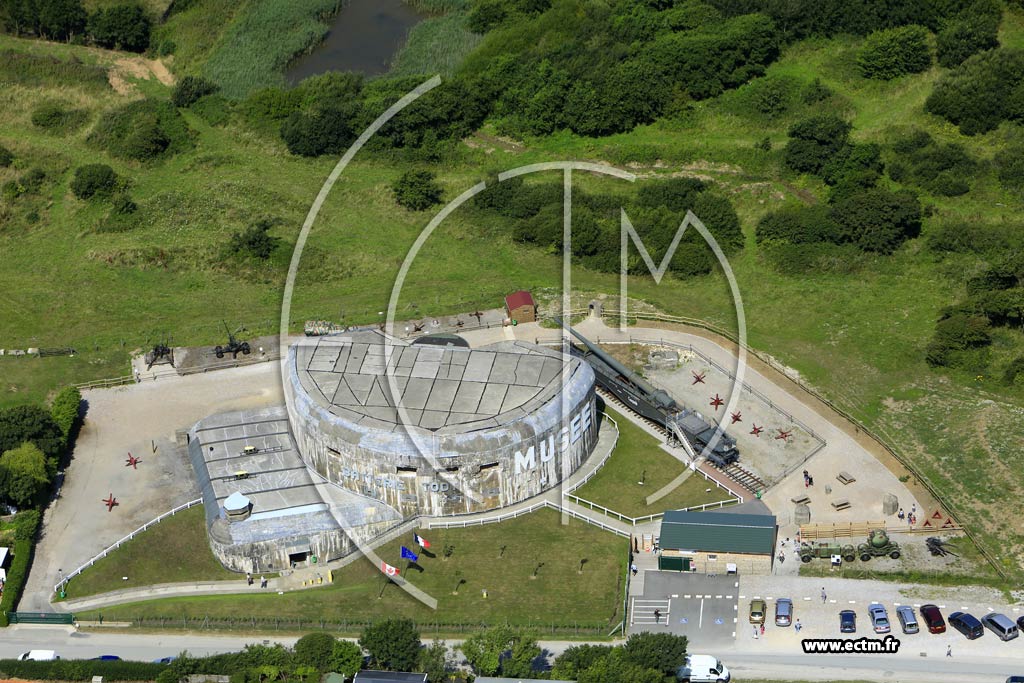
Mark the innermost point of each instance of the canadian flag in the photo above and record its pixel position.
(388, 569)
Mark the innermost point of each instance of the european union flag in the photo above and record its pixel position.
(408, 554)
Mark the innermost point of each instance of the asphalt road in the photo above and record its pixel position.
(71, 644)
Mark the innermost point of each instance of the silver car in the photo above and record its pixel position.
(907, 619)
(879, 618)
(783, 612)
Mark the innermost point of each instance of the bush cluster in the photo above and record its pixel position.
(16, 577)
(984, 91)
(939, 168)
(142, 130)
(190, 89)
(81, 670)
(6, 157)
(94, 180)
(417, 190)
(55, 117)
(895, 52)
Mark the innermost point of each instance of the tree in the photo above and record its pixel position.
(961, 38)
(435, 662)
(61, 19)
(26, 522)
(617, 668)
(255, 241)
(315, 650)
(65, 410)
(94, 180)
(121, 27)
(24, 473)
(663, 652)
(393, 644)
(894, 52)
(578, 658)
(189, 89)
(19, 424)
(324, 130)
(347, 658)
(485, 651)
(417, 190)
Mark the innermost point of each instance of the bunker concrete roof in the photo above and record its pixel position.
(441, 389)
(718, 532)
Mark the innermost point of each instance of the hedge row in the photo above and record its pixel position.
(80, 670)
(16, 577)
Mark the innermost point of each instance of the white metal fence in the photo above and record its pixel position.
(115, 546)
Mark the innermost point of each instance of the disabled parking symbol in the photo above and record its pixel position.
(718, 621)
(682, 620)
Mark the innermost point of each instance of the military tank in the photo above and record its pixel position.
(879, 544)
(809, 551)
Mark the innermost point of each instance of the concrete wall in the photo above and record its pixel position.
(480, 470)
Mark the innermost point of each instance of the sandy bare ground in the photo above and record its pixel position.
(137, 68)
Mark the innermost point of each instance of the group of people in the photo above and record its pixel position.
(911, 517)
(249, 580)
(808, 479)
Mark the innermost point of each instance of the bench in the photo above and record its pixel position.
(846, 477)
(841, 504)
(801, 500)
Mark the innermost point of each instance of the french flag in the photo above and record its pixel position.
(388, 569)
(423, 543)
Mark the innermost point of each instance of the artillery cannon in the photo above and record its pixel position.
(879, 544)
(160, 352)
(233, 347)
(809, 551)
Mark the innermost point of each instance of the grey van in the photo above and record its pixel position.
(907, 619)
(783, 612)
(1001, 625)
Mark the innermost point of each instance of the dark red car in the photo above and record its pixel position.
(932, 618)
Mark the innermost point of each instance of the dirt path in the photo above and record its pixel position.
(125, 68)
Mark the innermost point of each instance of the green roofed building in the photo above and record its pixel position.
(741, 540)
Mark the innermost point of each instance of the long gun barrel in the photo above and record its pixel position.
(658, 396)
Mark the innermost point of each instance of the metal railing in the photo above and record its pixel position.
(591, 473)
(634, 521)
(115, 546)
(461, 524)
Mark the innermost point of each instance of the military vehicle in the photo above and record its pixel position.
(879, 544)
(234, 346)
(809, 551)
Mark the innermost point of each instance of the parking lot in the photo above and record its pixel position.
(702, 608)
(820, 619)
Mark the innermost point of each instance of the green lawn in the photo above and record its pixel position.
(500, 558)
(174, 550)
(637, 457)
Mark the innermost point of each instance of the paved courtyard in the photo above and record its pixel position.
(702, 608)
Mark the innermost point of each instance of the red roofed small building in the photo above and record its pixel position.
(520, 307)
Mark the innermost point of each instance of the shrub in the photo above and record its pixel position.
(24, 474)
(190, 89)
(955, 335)
(121, 27)
(877, 220)
(142, 130)
(798, 225)
(6, 157)
(417, 190)
(315, 650)
(1009, 164)
(894, 52)
(1014, 370)
(663, 652)
(84, 670)
(123, 205)
(55, 117)
(94, 180)
(393, 644)
(324, 131)
(19, 424)
(814, 141)
(255, 240)
(965, 37)
(26, 523)
(272, 104)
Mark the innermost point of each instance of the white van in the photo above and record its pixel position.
(39, 656)
(703, 669)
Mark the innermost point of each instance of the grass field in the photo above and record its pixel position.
(637, 457)
(500, 558)
(174, 550)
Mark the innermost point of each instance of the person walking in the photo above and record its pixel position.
(949, 650)
(824, 596)
(797, 626)
(756, 632)
(633, 569)
(762, 629)
(248, 578)
(263, 582)
(657, 616)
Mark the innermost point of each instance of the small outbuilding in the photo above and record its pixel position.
(520, 307)
(718, 542)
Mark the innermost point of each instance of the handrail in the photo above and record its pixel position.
(634, 521)
(517, 513)
(842, 412)
(184, 506)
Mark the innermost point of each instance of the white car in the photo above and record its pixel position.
(879, 618)
(39, 656)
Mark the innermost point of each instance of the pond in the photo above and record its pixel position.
(364, 37)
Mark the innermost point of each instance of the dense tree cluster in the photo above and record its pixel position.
(984, 91)
(534, 214)
(895, 52)
(122, 27)
(142, 130)
(644, 658)
(975, 29)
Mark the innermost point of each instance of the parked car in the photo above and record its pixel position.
(107, 658)
(1015, 679)
(847, 621)
(783, 612)
(757, 610)
(966, 624)
(932, 618)
(879, 618)
(1001, 625)
(1020, 623)
(39, 656)
(164, 660)
(907, 619)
